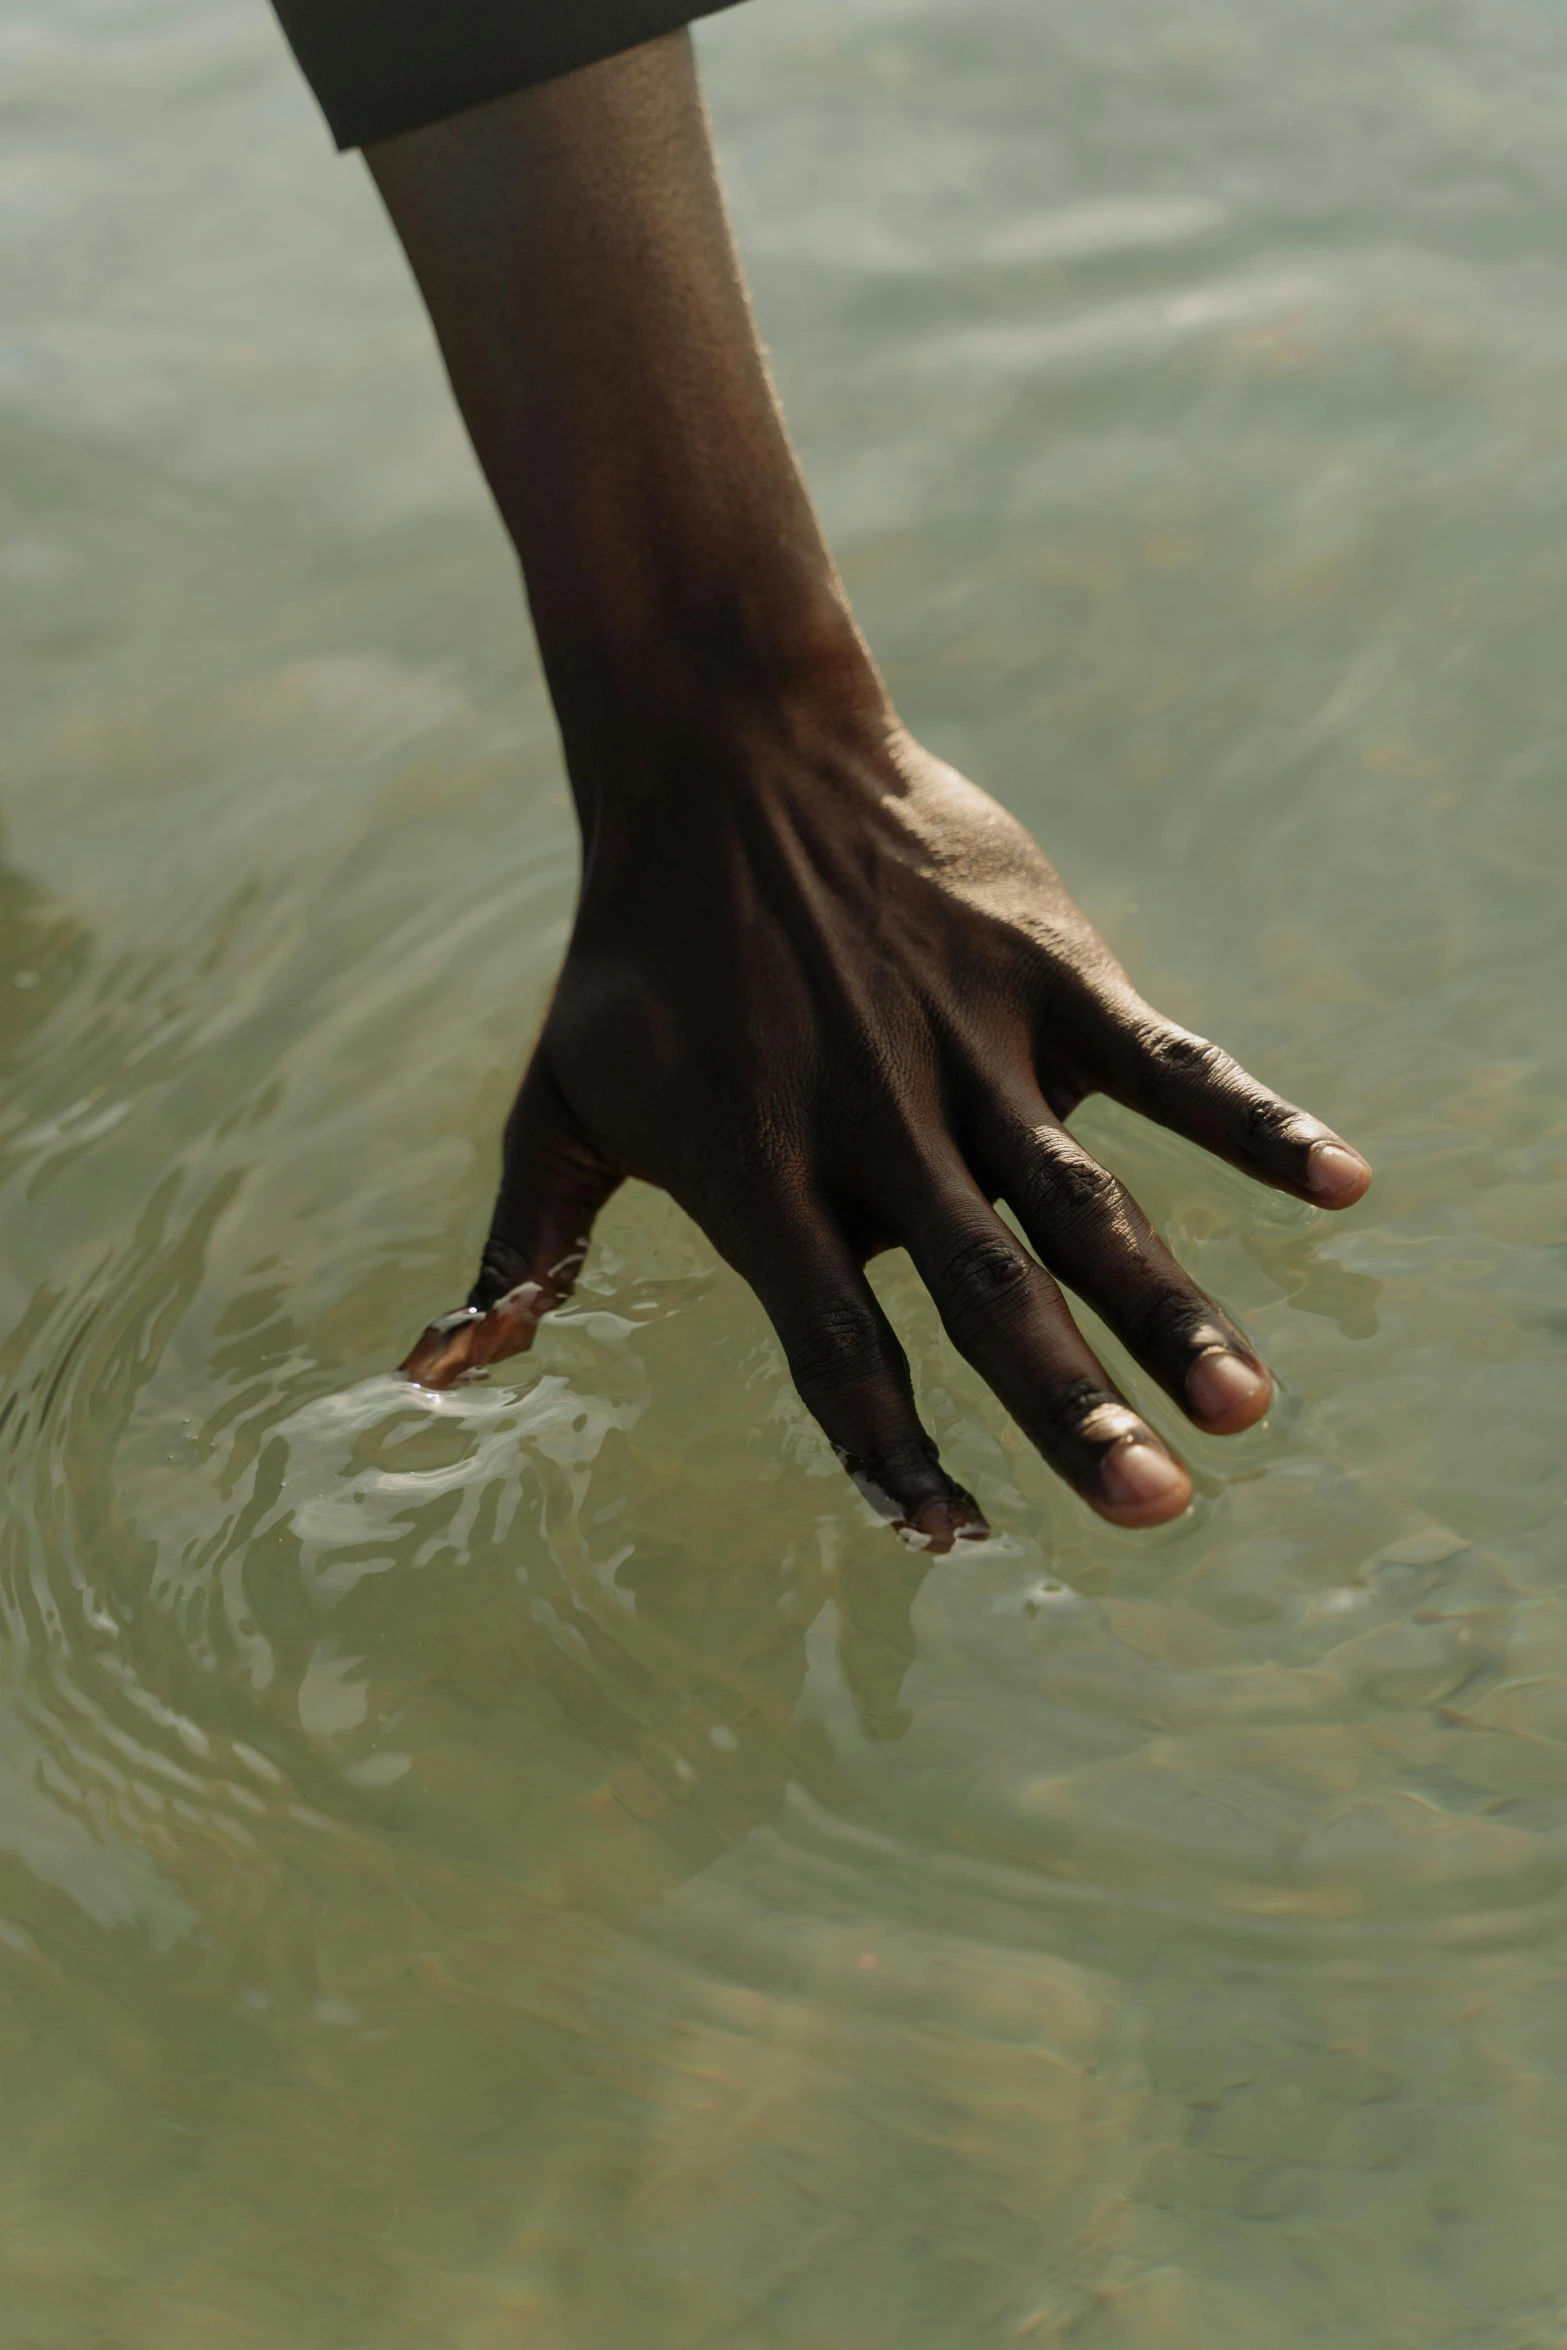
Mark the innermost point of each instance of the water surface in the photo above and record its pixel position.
(540, 1866)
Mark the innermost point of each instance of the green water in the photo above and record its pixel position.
(538, 1867)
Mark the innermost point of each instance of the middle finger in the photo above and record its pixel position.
(1006, 1315)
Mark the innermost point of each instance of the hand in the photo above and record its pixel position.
(834, 999)
(820, 988)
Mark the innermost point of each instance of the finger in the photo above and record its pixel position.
(553, 1184)
(853, 1377)
(1184, 1082)
(1088, 1229)
(1007, 1317)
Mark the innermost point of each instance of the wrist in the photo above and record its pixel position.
(734, 663)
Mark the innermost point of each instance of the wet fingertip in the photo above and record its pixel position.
(429, 1363)
(1141, 1484)
(1336, 1176)
(1226, 1392)
(938, 1524)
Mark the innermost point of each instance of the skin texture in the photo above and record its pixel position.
(821, 988)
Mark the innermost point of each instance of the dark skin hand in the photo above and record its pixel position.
(821, 989)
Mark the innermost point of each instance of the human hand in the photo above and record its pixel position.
(834, 999)
(822, 990)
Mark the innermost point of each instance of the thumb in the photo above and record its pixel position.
(553, 1183)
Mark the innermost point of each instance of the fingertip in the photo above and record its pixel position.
(1336, 1176)
(1141, 1484)
(1226, 1393)
(476, 1336)
(443, 1349)
(938, 1525)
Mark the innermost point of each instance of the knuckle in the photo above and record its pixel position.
(843, 1345)
(984, 1279)
(903, 1468)
(1176, 1322)
(1066, 1186)
(1184, 1063)
(1270, 1124)
(1064, 1410)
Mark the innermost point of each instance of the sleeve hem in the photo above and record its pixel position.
(381, 67)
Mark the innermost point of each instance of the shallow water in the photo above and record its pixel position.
(539, 1866)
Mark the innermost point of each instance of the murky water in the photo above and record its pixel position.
(538, 1866)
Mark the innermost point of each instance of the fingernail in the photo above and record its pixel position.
(1335, 1174)
(1143, 1485)
(1226, 1391)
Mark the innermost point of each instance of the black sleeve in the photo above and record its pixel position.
(382, 66)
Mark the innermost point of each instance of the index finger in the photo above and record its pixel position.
(1195, 1088)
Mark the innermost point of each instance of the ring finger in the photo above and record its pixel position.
(1087, 1228)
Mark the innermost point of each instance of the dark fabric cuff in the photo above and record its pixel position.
(382, 66)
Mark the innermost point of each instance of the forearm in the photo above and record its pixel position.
(574, 252)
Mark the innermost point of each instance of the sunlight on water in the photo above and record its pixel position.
(540, 1865)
